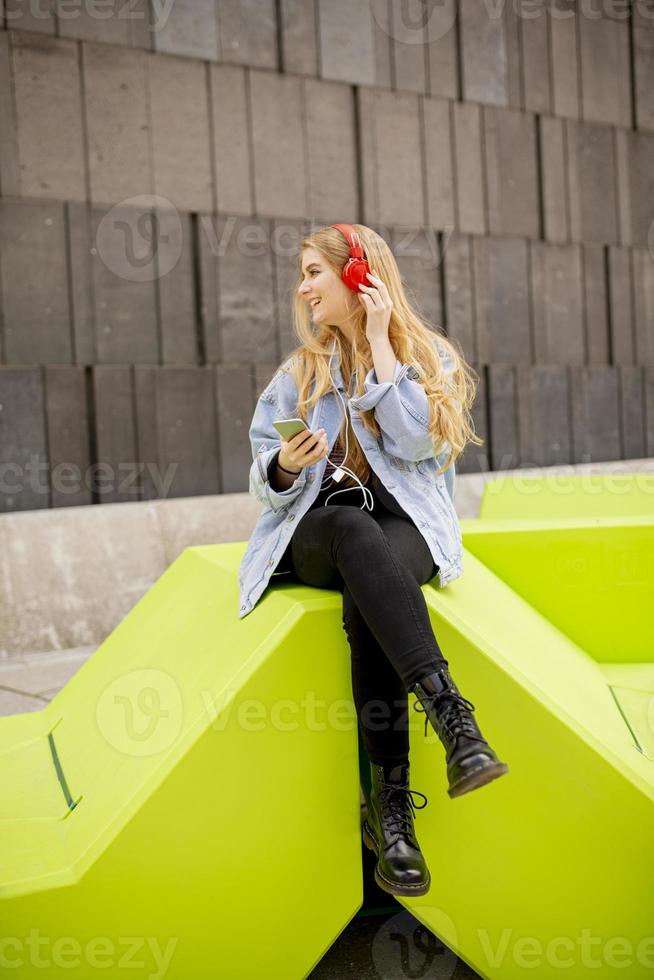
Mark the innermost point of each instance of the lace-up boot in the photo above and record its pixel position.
(388, 831)
(470, 760)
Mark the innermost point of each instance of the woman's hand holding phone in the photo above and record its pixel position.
(304, 448)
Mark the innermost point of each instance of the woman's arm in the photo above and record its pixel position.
(402, 410)
(266, 446)
(279, 479)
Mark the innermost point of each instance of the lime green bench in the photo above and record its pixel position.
(197, 781)
(195, 784)
(568, 495)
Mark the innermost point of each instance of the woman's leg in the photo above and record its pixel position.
(379, 563)
(379, 693)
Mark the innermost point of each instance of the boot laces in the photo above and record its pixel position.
(397, 808)
(453, 718)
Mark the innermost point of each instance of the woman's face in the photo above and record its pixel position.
(330, 300)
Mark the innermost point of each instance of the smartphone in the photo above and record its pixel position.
(288, 428)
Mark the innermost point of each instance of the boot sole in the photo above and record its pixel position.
(477, 777)
(392, 887)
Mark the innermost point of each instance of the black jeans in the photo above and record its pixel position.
(379, 559)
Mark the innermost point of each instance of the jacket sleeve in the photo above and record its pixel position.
(266, 446)
(402, 411)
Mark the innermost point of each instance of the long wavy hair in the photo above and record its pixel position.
(412, 339)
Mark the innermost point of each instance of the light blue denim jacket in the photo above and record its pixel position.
(402, 458)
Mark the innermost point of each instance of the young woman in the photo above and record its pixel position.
(361, 501)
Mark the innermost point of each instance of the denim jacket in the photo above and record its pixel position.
(402, 457)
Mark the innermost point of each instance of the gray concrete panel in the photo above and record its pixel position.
(502, 300)
(34, 278)
(177, 430)
(347, 39)
(189, 28)
(246, 303)
(49, 117)
(299, 36)
(543, 415)
(115, 93)
(234, 414)
(23, 442)
(123, 282)
(248, 32)
(331, 150)
(592, 182)
(469, 169)
(595, 304)
(623, 346)
(557, 294)
(181, 152)
(115, 433)
(231, 140)
(280, 166)
(595, 413)
(71, 479)
(439, 164)
(511, 175)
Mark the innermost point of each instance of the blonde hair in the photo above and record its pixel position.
(450, 397)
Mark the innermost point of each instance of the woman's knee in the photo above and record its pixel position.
(356, 527)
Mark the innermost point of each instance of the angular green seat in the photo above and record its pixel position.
(188, 786)
(547, 871)
(156, 810)
(568, 495)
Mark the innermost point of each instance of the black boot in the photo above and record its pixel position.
(388, 831)
(470, 760)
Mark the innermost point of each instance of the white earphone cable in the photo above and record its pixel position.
(345, 469)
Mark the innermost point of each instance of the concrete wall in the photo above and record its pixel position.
(157, 169)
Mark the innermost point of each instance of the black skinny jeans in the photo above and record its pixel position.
(379, 559)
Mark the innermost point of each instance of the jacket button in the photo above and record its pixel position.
(291, 517)
(271, 562)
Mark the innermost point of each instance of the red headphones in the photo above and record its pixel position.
(356, 267)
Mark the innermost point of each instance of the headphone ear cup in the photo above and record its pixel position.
(355, 273)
